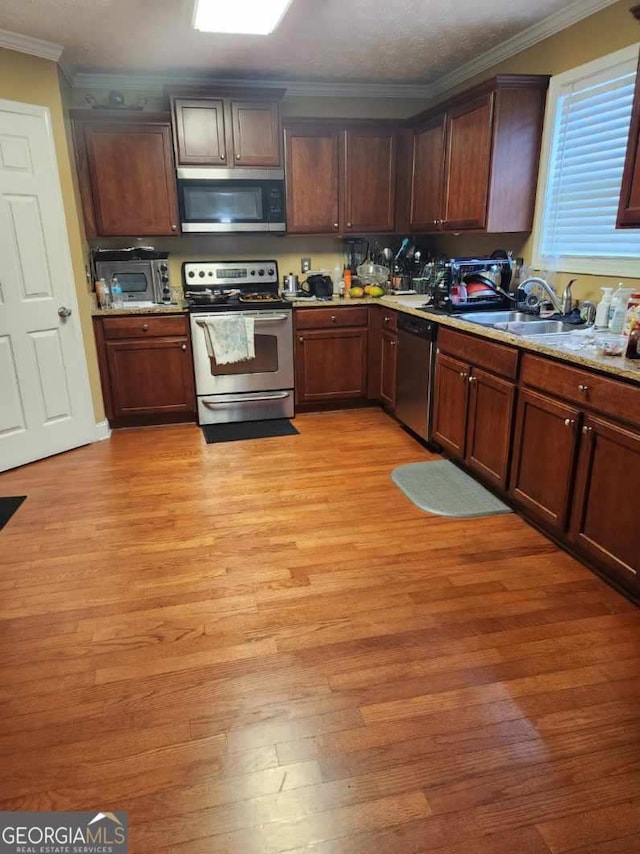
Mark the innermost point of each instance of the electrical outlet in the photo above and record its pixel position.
(305, 265)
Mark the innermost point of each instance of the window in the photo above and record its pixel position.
(584, 147)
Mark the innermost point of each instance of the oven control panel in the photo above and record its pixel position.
(230, 274)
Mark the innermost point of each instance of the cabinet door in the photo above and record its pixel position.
(604, 522)
(370, 181)
(151, 376)
(629, 209)
(450, 405)
(312, 156)
(133, 183)
(468, 164)
(256, 133)
(546, 439)
(200, 133)
(491, 405)
(331, 364)
(388, 367)
(427, 175)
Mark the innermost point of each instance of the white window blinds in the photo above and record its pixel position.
(588, 145)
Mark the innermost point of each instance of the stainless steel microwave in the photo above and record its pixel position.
(231, 200)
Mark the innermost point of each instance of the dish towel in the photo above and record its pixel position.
(229, 340)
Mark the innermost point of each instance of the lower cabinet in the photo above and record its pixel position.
(604, 521)
(388, 367)
(546, 441)
(331, 363)
(146, 369)
(473, 411)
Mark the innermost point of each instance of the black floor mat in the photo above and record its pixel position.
(248, 430)
(8, 507)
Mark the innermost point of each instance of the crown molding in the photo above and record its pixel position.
(572, 13)
(98, 81)
(27, 44)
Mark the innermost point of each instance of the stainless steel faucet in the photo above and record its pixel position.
(546, 287)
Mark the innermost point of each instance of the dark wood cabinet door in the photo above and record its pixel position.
(468, 164)
(256, 133)
(200, 132)
(370, 180)
(450, 405)
(604, 522)
(133, 183)
(331, 364)
(546, 439)
(388, 367)
(150, 377)
(312, 157)
(427, 176)
(629, 209)
(491, 405)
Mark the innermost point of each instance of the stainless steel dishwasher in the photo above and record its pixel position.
(416, 352)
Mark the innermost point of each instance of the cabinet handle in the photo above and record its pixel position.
(174, 228)
(301, 340)
(223, 157)
(569, 422)
(583, 388)
(472, 379)
(333, 318)
(145, 326)
(348, 225)
(393, 343)
(184, 347)
(335, 225)
(238, 157)
(463, 375)
(586, 430)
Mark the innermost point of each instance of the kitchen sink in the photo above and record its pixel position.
(518, 323)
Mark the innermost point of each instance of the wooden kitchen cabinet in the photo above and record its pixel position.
(388, 367)
(475, 158)
(126, 175)
(629, 208)
(370, 180)
(545, 445)
(146, 369)
(489, 425)
(331, 354)
(227, 128)
(450, 405)
(604, 522)
(312, 158)
(340, 180)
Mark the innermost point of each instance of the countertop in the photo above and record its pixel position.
(148, 309)
(617, 366)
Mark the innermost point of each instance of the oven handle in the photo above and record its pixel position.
(280, 395)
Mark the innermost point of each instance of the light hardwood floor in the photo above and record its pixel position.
(264, 647)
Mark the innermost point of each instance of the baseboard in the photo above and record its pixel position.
(103, 431)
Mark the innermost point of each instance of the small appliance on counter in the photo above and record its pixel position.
(142, 274)
(318, 285)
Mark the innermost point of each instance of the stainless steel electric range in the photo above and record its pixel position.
(257, 389)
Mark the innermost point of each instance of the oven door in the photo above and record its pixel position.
(227, 203)
(272, 368)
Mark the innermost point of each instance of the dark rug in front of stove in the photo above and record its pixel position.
(8, 507)
(248, 430)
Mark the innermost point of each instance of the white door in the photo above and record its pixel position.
(45, 399)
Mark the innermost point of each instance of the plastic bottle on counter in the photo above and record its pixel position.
(336, 278)
(116, 293)
(347, 281)
(602, 311)
(103, 294)
(619, 315)
(614, 302)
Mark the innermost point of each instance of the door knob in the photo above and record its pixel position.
(64, 312)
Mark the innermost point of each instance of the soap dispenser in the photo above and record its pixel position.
(602, 311)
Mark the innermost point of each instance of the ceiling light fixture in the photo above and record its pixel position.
(248, 17)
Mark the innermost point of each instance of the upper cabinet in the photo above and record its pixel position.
(228, 131)
(629, 210)
(475, 159)
(126, 174)
(340, 180)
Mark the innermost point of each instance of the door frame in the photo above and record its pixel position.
(96, 430)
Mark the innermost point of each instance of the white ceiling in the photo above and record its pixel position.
(402, 41)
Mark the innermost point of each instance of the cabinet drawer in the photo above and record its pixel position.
(590, 390)
(139, 326)
(327, 318)
(496, 358)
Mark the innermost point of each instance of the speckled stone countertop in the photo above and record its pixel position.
(148, 309)
(618, 366)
